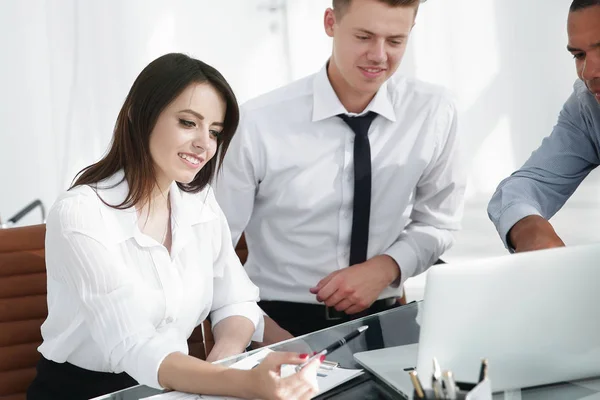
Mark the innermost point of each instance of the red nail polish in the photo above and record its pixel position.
(323, 358)
(314, 352)
(304, 355)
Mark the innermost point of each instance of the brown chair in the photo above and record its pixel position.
(242, 249)
(23, 308)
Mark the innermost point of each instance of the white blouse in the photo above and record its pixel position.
(117, 300)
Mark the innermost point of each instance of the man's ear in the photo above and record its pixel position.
(329, 21)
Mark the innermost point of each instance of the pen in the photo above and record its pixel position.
(436, 385)
(335, 346)
(436, 380)
(417, 384)
(483, 370)
(450, 384)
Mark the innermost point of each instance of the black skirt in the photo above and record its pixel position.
(55, 381)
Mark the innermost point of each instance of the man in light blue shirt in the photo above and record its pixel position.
(525, 201)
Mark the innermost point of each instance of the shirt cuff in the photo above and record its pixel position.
(151, 355)
(407, 261)
(247, 309)
(510, 216)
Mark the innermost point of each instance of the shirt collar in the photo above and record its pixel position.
(186, 210)
(189, 209)
(326, 103)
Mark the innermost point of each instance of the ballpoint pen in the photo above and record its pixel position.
(436, 385)
(483, 370)
(335, 345)
(417, 384)
(436, 380)
(450, 385)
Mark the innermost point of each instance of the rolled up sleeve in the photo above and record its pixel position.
(234, 293)
(552, 173)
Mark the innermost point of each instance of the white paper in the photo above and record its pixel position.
(327, 379)
(174, 396)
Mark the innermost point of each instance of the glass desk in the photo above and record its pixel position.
(390, 328)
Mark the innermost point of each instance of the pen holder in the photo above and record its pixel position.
(467, 391)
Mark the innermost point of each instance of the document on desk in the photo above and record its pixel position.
(174, 396)
(327, 378)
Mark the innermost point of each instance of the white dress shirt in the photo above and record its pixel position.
(288, 182)
(117, 300)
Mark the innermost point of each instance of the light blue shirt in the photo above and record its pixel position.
(553, 172)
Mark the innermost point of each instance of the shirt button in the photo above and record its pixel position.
(348, 214)
(169, 320)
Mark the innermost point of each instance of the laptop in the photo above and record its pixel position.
(391, 365)
(535, 316)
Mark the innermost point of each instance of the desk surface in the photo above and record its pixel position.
(395, 327)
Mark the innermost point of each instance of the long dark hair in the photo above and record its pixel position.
(153, 90)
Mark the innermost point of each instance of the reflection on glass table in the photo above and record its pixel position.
(396, 327)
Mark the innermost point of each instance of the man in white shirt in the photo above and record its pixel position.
(326, 244)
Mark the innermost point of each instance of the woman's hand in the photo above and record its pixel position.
(269, 384)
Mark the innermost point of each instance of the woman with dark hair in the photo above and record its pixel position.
(138, 254)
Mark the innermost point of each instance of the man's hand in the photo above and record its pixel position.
(273, 334)
(533, 233)
(355, 288)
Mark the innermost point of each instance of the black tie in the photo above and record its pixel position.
(361, 210)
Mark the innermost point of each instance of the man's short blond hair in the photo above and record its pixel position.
(340, 6)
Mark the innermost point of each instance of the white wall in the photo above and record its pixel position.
(509, 69)
(68, 65)
(507, 65)
(505, 61)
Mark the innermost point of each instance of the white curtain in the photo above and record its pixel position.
(68, 64)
